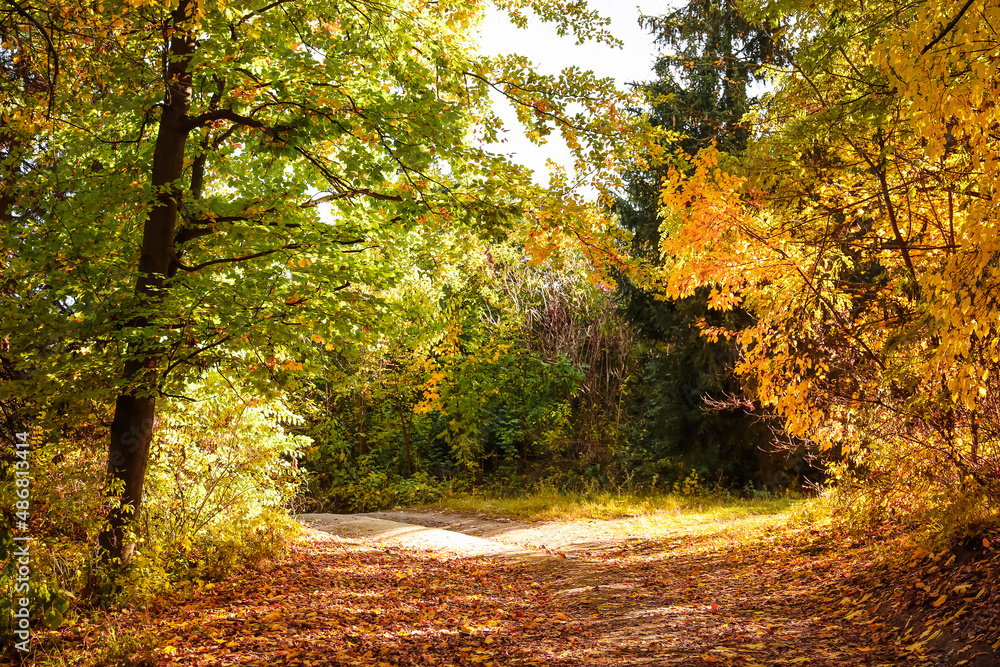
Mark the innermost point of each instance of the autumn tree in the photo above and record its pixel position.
(220, 176)
(859, 230)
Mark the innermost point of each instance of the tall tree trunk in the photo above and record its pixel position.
(404, 424)
(135, 409)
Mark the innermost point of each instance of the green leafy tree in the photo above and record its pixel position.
(498, 371)
(221, 178)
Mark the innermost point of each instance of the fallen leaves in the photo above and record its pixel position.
(332, 602)
(939, 604)
(676, 601)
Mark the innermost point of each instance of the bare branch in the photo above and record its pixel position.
(232, 260)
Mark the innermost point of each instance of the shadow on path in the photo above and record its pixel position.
(678, 601)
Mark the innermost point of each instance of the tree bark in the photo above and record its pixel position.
(406, 436)
(135, 409)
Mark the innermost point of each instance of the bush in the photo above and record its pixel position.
(64, 514)
(223, 468)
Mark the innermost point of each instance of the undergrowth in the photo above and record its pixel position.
(221, 478)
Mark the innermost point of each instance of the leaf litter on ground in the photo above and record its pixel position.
(712, 592)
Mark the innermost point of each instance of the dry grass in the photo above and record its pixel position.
(718, 520)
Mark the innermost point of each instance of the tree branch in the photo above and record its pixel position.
(349, 191)
(948, 28)
(312, 203)
(194, 354)
(259, 12)
(232, 260)
(185, 234)
(223, 114)
(49, 46)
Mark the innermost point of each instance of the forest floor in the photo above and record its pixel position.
(701, 589)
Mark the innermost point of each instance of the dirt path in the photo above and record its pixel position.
(680, 599)
(571, 537)
(418, 589)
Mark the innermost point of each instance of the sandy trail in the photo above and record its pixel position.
(677, 599)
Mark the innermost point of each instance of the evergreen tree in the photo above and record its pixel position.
(711, 57)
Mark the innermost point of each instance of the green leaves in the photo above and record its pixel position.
(237, 189)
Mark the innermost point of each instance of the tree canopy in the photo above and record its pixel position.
(859, 231)
(212, 185)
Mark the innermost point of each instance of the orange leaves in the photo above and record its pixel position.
(706, 230)
(860, 232)
(723, 298)
(330, 600)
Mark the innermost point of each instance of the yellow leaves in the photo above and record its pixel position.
(724, 299)
(431, 400)
(940, 601)
(707, 230)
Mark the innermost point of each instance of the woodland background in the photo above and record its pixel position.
(362, 307)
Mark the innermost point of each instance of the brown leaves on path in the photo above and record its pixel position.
(693, 602)
(784, 598)
(331, 602)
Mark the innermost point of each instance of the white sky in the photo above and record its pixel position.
(551, 53)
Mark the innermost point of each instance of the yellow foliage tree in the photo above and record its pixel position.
(860, 229)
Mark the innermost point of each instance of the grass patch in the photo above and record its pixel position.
(704, 522)
(551, 505)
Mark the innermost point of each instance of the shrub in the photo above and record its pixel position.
(223, 468)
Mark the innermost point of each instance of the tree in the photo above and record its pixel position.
(220, 176)
(712, 55)
(859, 230)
